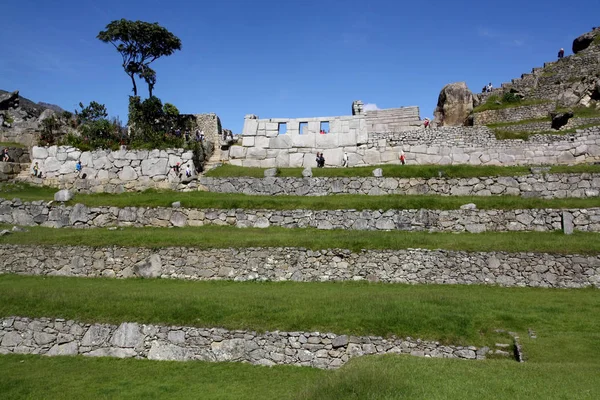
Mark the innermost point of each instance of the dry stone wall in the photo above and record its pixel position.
(547, 186)
(59, 337)
(112, 171)
(513, 114)
(442, 146)
(412, 266)
(469, 220)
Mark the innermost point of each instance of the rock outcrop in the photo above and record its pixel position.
(455, 105)
(584, 41)
(20, 118)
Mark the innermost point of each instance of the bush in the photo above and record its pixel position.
(510, 97)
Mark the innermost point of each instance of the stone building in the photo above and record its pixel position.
(287, 142)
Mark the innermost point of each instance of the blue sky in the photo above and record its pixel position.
(290, 58)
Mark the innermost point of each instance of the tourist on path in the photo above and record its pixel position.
(402, 157)
(345, 159)
(36, 170)
(5, 156)
(561, 53)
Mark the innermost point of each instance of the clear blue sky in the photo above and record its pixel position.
(285, 58)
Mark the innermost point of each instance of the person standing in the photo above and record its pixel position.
(402, 157)
(322, 160)
(36, 170)
(345, 159)
(561, 53)
(5, 156)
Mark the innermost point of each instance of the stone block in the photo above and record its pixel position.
(63, 195)
(372, 157)
(237, 152)
(268, 163)
(327, 141)
(262, 142)
(304, 141)
(248, 141)
(333, 156)
(346, 138)
(280, 142)
(254, 153)
(296, 160)
(282, 159)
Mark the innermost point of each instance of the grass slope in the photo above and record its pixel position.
(225, 236)
(400, 171)
(388, 377)
(153, 198)
(563, 318)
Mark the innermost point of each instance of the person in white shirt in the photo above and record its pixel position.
(345, 158)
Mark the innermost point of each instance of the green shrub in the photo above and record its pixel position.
(510, 97)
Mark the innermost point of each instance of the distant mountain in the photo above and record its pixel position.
(52, 107)
(37, 108)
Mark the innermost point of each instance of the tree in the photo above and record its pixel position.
(140, 43)
(91, 113)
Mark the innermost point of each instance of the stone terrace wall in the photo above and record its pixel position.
(111, 171)
(479, 146)
(413, 266)
(513, 114)
(476, 221)
(443, 146)
(58, 337)
(536, 185)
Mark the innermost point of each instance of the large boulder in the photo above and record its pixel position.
(9, 100)
(455, 105)
(584, 41)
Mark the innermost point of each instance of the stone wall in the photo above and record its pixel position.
(59, 337)
(112, 171)
(513, 114)
(476, 221)
(443, 146)
(547, 186)
(210, 124)
(263, 146)
(412, 266)
(10, 170)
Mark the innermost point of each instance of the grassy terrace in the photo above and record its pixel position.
(401, 171)
(225, 237)
(152, 198)
(565, 320)
(389, 377)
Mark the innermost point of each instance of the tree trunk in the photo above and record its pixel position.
(134, 85)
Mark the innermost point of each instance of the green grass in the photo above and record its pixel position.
(154, 198)
(564, 319)
(517, 123)
(12, 144)
(393, 377)
(225, 237)
(491, 104)
(524, 135)
(397, 171)
(371, 378)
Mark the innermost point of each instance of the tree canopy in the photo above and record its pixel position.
(140, 43)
